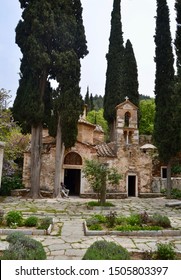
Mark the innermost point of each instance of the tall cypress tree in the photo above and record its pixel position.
(49, 35)
(114, 75)
(130, 80)
(178, 37)
(165, 130)
(67, 100)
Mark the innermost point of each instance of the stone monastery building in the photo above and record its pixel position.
(127, 153)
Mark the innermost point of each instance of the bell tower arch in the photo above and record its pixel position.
(127, 124)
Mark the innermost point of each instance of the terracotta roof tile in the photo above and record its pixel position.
(105, 150)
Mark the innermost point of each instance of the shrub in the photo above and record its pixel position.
(45, 222)
(165, 252)
(144, 217)
(160, 220)
(92, 221)
(9, 183)
(136, 227)
(111, 219)
(104, 250)
(22, 247)
(31, 221)
(134, 220)
(176, 193)
(14, 218)
(1, 215)
(100, 218)
(95, 227)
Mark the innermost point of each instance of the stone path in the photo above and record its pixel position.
(68, 242)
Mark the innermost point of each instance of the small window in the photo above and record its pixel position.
(164, 172)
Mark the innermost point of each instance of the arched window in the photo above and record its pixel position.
(73, 158)
(127, 118)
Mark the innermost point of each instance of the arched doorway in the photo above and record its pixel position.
(72, 172)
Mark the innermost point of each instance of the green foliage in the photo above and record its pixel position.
(22, 247)
(175, 193)
(165, 252)
(131, 223)
(166, 129)
(96, 117)
(97, 203)
(136, 227)
(160, 220)
(111, 219)
(98, 175)
(101, 218)
(134, 219)
(95, 227)
(130, 81)
(9, 183)
(31, 221)
(1, 216)
(45, 222)
(104, 250)
(147, 116)
(14, 218)
(114, 93)
(176, 169)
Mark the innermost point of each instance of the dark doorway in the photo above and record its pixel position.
(131, 185)
(72, 181)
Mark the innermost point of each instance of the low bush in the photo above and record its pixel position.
(14, 218)
(160, 220)
(165, 252)
(45, 222)
(95, 227)
(111, 219)
(134, 219)
(104, 250)
(22, 247)
(175, 193)
(31, 221)
(136, 227)
(9, 183)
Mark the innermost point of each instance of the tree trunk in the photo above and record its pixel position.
(169, 182)
(58, 160)
(36, 145)
(103, 189)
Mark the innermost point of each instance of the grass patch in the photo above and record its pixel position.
(96, 203)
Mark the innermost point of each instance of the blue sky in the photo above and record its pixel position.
(138, 26)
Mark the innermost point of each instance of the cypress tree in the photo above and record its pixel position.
(130, 79)
(165, 130)
(114, 75)
(67, 101)
(49, 34)
(178, 37)
(87, 99)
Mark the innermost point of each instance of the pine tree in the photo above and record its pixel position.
(165, 130)
(114, 75)
(130, 80)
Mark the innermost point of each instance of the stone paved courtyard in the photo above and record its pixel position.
(67, 240)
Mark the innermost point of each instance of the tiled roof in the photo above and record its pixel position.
(105, 150)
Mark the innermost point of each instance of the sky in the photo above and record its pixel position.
(138, 25)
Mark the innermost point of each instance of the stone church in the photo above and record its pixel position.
(132, 158)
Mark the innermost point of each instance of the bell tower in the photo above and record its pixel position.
(127, 124)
